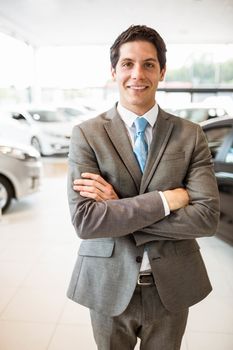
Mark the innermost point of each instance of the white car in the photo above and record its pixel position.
(198, 112)
(43, 129)
(48, 129)
(55, 131)
(11, 129)
(56, 124)
(20, 172)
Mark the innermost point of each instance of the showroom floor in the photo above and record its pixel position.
(38, 248)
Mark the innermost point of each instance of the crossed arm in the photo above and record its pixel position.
(97, 211)
(95, 187)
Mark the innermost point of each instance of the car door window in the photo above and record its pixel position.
(229, 156)
(19, 117)
(215, 137)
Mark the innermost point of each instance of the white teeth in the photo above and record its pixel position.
(138, 87)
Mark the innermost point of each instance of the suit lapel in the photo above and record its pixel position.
(117, 132)
(161, 134)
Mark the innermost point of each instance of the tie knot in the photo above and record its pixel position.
(140, 124)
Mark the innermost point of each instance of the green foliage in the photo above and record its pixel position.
(203, 71)
(227, 71)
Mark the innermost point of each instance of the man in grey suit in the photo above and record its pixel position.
(141, 189)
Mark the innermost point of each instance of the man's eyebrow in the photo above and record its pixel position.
(131, 59)
(151, 59)
(126, 59)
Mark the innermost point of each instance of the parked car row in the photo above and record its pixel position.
(48, 129)
(26, 134)
(199, 112)
(20, 169)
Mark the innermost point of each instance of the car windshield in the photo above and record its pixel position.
(199, 114)
(196, 115)
(47, 116)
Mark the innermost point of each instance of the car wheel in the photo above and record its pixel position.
(36, 144)
(6, 193)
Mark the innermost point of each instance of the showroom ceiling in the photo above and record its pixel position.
(75, 22)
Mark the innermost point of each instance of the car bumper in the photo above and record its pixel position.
(25, 185)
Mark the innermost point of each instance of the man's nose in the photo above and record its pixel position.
(137, 72)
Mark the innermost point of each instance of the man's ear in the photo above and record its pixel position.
(113, 73)
(162, 73)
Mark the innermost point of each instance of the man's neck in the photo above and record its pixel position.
(138, 110)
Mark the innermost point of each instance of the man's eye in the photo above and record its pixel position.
(127, 64)
(149, 65)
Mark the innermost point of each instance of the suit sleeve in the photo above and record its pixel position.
(200, 217)
(111, 218)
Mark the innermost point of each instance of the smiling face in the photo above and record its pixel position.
(137, 74)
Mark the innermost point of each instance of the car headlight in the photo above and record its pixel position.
(20, 154)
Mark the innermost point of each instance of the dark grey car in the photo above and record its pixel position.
(219, 133)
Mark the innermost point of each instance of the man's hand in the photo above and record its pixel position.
(177, 198)
(95, 187)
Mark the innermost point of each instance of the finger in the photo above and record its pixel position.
(90, 183)
(95, 184)
(95, 177)
(107, 195)
(90, 195)
(93, 190)
(84, 188)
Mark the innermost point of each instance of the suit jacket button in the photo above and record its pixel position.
(139, 259)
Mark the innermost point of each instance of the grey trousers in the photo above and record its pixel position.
(145, 318)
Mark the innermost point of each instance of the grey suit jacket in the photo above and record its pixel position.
(114, 233)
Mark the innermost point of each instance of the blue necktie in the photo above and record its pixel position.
(140, 146)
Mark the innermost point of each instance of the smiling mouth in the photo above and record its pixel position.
(136, 87)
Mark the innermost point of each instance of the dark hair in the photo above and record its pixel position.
(137, 33)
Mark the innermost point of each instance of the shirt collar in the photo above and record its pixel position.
(129, 117)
